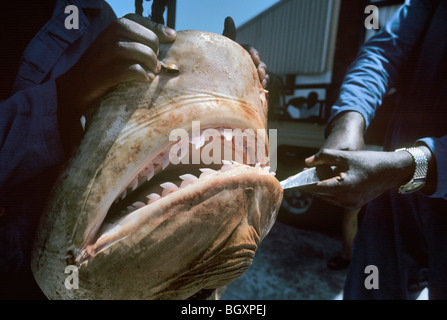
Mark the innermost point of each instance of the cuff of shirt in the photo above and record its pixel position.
(438, 147)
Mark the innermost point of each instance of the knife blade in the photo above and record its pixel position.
(308, 177)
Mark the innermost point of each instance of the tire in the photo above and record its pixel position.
(296, 201)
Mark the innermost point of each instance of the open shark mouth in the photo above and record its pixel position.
(160, 181)
(139, 215)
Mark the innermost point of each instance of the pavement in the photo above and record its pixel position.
(291, 264)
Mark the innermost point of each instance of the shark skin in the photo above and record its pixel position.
(136, 226)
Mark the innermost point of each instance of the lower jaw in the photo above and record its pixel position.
(196, 241)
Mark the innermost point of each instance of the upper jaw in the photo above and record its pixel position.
(138, 142)
(154, 168)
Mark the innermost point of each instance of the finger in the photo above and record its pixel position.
(135, 72)
(333, 192)
(325, 188)
(164, 33)
(229, 29)
(128, 30)
(262, 66)
(126, 72)
(310, 161)
(265, 81)
(261, 72)
(253, 53)
(325, 157)
(139, 53)
(108, 77)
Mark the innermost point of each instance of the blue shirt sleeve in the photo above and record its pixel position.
(376, 68)
(29, 134)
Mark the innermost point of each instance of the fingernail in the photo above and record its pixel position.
(151, 76)
(170, 32)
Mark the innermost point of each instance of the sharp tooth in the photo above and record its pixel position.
(226, 168)
(251, 155)
(187, 179)
(207, 172)
(198, 141)
(134, 184)
(228, 134)
(227, 165)
(148, 172)
(166, 161)
(163, 160)
(266, 169)
(188, 176)
(131, 209)
(139, 204)
(183, 150)
(199, 144)
(153, 197)
(168, 187)
(123, 194)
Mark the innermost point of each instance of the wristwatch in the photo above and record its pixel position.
(420, 173)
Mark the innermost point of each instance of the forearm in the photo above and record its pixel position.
(345, 132)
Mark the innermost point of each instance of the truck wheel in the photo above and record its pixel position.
(296, 201)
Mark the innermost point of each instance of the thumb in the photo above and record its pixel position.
(229, 29)
(164, 33)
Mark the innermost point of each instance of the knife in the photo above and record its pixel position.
(308, 177)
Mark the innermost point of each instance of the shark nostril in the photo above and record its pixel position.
(169, 67)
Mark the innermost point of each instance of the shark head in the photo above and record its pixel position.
(169, 192)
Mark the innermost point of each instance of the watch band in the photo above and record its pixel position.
(420, 172)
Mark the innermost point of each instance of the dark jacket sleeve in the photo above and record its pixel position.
(29, 134)
(377, 69)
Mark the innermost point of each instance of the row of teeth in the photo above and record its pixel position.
(199, 140)
(163, 160)
(188, 179)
